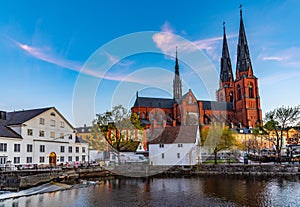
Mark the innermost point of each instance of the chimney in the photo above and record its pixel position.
(2, 115)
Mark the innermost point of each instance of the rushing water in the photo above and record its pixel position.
(202, 191)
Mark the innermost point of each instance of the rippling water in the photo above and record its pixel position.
(203, 191)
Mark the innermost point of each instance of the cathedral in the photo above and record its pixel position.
(238, 100)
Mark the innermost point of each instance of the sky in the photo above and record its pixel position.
(84, 57)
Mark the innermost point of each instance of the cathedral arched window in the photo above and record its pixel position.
(221, 97)
(190, 99)
(239, 92)
(251, 91)
(231, 96)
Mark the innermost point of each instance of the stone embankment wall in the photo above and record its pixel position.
(15, 180)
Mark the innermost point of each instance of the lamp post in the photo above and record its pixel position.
(260, 134)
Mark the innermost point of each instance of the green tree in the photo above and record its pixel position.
(217, 138)
(112, 123)
(278, 120)
(97, 139)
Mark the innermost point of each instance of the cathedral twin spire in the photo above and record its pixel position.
(243, 63)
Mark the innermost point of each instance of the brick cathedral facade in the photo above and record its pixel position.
(238, 100)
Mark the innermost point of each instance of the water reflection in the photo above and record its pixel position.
(208, 191)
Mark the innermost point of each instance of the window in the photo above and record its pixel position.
(42, 121)
(42, 148)
(77, 149)
(62, 159)
(16, 160)
(190, 100)
(83, 149)
(162, 156)
(62, 148)
(29, 148)
(28, 159)
(52, 122)
(239, 92)
(180, 145)
(29, 132)
(3, 147)
(52, 134)
(62, 124)
(77, 158)
(61, 135)
(41, 133)
(251, 91)
(70, 149)
(52, 114)
(70, 137)
(42, 159)
(178, 155)
(83, 157)
(161, 145)
(231, 96)
(70, 159)
(17, 148)
(2, 160)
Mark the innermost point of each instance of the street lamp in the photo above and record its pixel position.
(260, 134)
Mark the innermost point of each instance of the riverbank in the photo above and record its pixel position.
(19, 180)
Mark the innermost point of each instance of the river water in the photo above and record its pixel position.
(200, 191)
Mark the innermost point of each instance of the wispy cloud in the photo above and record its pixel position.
(47, 55)
(167, 41)
(273, 58)
(289, 56)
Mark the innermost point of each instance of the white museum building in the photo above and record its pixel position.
(39, 136)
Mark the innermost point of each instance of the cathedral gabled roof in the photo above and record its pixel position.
(217, 106)
(226, 69)
(243, 63)
(154, 102)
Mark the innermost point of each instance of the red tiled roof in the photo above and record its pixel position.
(177, 134)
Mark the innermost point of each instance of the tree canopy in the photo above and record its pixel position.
(217, 138)
(279, 120)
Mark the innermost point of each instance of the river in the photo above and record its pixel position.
(200, 191)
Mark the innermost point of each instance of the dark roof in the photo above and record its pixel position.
(80, 140)
(244, 131)
(19, 117)
(84, 129)
(154, 102)
(177, 134)
(243, 55)
(226, 69)
(217, 106)
(6, 131)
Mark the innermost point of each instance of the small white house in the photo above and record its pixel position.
(39, 136)
(174, 146)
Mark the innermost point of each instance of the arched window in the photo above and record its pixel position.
(239, 92)
(190, 99)
(231, 96)
(251, 91)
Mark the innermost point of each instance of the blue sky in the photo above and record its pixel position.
(49, 51)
